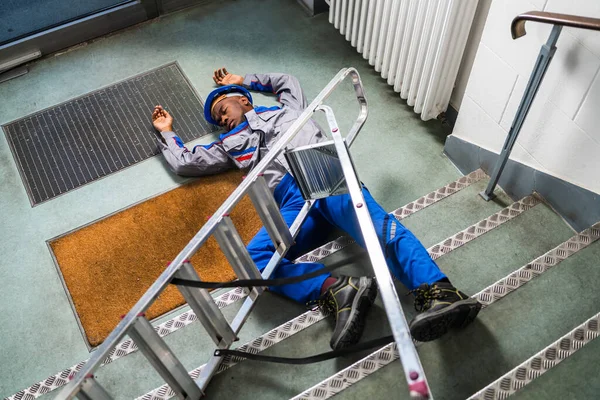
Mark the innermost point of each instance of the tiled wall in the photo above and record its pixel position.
(561, 135)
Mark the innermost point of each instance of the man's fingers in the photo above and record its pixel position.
(220, 75)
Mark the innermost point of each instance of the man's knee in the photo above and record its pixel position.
(261, 243)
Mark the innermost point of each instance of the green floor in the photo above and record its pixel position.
(39, 334)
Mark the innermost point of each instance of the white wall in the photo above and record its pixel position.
(561, 134)
(466, 64)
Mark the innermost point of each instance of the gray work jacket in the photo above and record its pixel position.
(245, 145)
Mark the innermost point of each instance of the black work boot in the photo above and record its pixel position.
(442, 307)
(349, 300)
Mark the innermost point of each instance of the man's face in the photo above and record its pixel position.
(230, 111)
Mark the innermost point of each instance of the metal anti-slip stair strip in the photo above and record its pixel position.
(387, 354)
(440, 194)
(486, 225)
(539, 364)
(225, 299)
(447, 245)
(538, 266)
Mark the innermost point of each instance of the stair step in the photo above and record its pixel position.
(501, 251)
(300, 341)
(571, 379)
(542, 362)
(521, 324)
(295, 344)
(269, 312)
(441, 220)
(314, 337)
(440, 194)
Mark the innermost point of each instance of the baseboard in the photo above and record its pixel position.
(579, 207)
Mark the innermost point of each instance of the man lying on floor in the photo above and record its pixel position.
(251, 132)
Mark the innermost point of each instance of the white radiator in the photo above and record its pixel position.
(417, 45)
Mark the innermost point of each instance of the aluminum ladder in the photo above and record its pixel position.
(321, 170)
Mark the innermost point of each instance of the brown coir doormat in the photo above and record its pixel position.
(108, 265)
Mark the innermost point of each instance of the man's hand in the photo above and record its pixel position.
(222, 77)
(162, 120)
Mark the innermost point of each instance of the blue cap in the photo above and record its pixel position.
(218, 92)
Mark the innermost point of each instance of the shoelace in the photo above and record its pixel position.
(423, 297)
(327, 305)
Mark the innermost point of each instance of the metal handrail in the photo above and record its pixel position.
(537, 75)
(517, 28)
(98, 356)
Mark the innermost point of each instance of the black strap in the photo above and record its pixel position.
(249, 282)
(311, 359)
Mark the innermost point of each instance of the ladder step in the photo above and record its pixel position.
(92, 390)
(269, 213)
(203, 305)
(234, 249)
(317, 170)
(163, 360)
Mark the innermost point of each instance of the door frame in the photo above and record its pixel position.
(57, 38)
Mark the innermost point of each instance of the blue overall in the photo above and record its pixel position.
(406, 257)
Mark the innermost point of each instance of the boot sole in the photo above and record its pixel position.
(425, 328)
(356, 322)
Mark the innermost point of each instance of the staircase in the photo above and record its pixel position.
(532, 273)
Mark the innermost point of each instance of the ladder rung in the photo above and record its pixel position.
(163, 360)
(201, 302)
(269, 213)
(92, 390)
(234, 249)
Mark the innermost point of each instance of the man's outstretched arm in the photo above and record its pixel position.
(286, 87)
(201, 160)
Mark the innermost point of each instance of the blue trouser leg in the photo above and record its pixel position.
(406, 257)
(312, 234)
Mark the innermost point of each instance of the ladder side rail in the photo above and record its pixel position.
(413, 370)
(98, 356)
